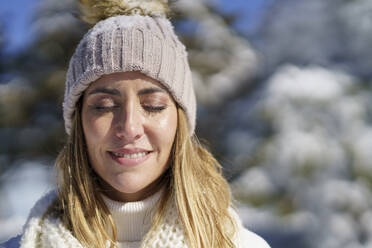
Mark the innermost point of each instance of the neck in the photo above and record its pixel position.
(140, 195)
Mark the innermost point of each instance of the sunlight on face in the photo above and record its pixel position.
(129, 122)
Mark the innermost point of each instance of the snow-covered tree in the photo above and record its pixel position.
(332, 32)
(312, 171)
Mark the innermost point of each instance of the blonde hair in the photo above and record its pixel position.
(194, 181)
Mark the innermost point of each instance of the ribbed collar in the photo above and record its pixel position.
(132, 219)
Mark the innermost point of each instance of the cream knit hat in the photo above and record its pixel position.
(131, 43)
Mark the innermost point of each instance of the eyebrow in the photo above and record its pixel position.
(116, 92)
(105, 91)
(150, 91)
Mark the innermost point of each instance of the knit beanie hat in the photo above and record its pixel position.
(136, 36)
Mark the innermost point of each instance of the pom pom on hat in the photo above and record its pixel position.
(94, 11)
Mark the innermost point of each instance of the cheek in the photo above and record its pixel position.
(165, 130)
(95, 129)
(169, 123)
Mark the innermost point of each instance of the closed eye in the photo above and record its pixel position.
(151, 108)
(104, 108)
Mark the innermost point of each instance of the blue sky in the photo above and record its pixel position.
(249, 11)
(18, 16)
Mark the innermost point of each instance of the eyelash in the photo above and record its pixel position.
(148, 108)
(154, 109)
(104, 109)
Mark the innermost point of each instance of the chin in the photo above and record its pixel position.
(129, 190)
(130, 186)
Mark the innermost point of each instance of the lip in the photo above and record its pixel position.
(129, 150)
(129, 161)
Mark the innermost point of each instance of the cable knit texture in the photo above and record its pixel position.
(170, 234)
(131, 43)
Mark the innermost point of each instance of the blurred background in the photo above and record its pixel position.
(284, 92)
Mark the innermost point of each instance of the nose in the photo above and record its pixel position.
(129, 124)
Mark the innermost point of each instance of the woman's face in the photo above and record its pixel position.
(129, 122)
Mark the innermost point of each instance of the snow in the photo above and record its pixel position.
(23, 186)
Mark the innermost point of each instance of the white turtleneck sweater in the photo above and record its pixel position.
(132, 219)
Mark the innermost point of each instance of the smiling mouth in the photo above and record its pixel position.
(127, 155)
(130, 159)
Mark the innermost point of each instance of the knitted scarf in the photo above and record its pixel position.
(52, 233)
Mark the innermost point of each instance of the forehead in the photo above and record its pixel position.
(125, 80)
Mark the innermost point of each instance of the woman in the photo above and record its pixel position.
(132, 173)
